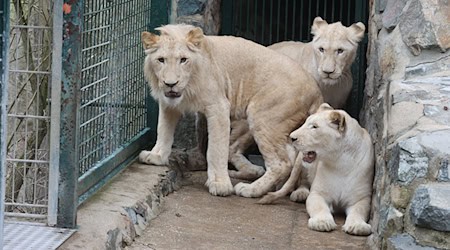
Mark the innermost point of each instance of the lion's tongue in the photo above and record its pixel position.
(309, 157)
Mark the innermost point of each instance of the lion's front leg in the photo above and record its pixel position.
(218, 119)
(319, 212)
(357, 215)
(167, 122)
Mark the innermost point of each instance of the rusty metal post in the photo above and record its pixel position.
(70, 103)
(4, 34)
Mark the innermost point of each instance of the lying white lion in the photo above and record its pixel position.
(339, 156)
(328, 57)
(227, 78)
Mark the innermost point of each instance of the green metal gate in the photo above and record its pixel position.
(271, 21)
(107, 113)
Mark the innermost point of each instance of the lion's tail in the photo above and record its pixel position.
(288, 186)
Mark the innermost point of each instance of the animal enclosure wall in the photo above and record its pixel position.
(271, 21)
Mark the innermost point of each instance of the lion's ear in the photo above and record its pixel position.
(317, 24)
(195, 37)
(149, 40)
(324, 106)
(338, 119)
(358, 31)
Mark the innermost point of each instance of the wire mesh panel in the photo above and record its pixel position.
(27, 143)
(113, 91)
(113, 111)
(271, 21)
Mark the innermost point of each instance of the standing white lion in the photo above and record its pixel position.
(227, 78)
(328, 57)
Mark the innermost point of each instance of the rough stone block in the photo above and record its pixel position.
(404, 242)
(430, 206)
(413, 162)
(391, 16)
(424, 24)
(443, 173)
(437, 142)
(404, 116)
(190, 7)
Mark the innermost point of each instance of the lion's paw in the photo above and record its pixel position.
(300, 194)
(220, 188)
(245, 190)
(357, 228)
(322, 224)
(148, 157)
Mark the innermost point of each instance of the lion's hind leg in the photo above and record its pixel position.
(272, 145)
(288, 186)
(240, 139)
(302, 192)
(355, 223)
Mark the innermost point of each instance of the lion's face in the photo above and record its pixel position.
(170, 62)
(320, 133)
(335, 47)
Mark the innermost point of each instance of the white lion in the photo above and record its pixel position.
(328, 57)
(339, 157)
(227, 78)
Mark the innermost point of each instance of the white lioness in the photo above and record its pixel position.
(338, 155)
(227, 78)
(328, 57)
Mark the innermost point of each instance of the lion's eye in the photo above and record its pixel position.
(321, 49)
(183, 60)
(340, 51)
(314, 126)
(161, 60)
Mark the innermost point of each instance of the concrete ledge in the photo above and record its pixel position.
(121, 210)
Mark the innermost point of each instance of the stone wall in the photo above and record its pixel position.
(407, 113)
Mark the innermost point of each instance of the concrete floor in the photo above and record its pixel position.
(194, 219)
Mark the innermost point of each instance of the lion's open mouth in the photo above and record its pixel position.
(172, 94)
(309, 156)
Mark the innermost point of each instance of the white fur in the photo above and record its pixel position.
(341, 176)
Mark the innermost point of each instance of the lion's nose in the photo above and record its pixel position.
(170, 84)
(328, 71)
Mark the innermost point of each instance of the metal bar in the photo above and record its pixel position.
(255, 38)
(24, 205)
(4, 66)
(302, 20)
(271, 22)
(278, 21)
(30, 71)
(309, 20)
(263, 42)
(29, 116)
(286, 19)
(70, 103)
(26, 215)
(27, 161)
(293, 20)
